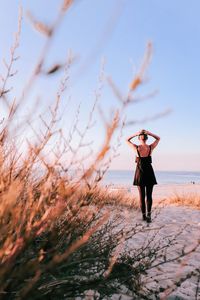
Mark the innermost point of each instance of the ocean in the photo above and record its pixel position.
(120, 177)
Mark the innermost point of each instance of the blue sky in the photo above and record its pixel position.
(174, 29)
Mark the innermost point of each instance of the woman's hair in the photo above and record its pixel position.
(145, 136)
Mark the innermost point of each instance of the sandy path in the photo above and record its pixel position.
(181, 221)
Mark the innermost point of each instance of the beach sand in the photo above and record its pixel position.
(180, 221)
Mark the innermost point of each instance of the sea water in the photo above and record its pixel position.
(121, 177)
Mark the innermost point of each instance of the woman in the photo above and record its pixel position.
(144, 174)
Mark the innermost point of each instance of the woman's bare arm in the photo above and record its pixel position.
(130, 138)
(156, 137)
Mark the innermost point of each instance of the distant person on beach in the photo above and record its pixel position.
(144, 174)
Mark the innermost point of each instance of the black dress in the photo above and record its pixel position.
(144, 173)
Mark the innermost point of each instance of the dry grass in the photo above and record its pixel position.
(107, 196)
(191, 200)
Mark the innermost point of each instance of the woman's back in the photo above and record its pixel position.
(145, 158)
(144, 150)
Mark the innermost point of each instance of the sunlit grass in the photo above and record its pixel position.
(192, 200)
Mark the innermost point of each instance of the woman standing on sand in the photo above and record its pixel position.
(144, 173)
